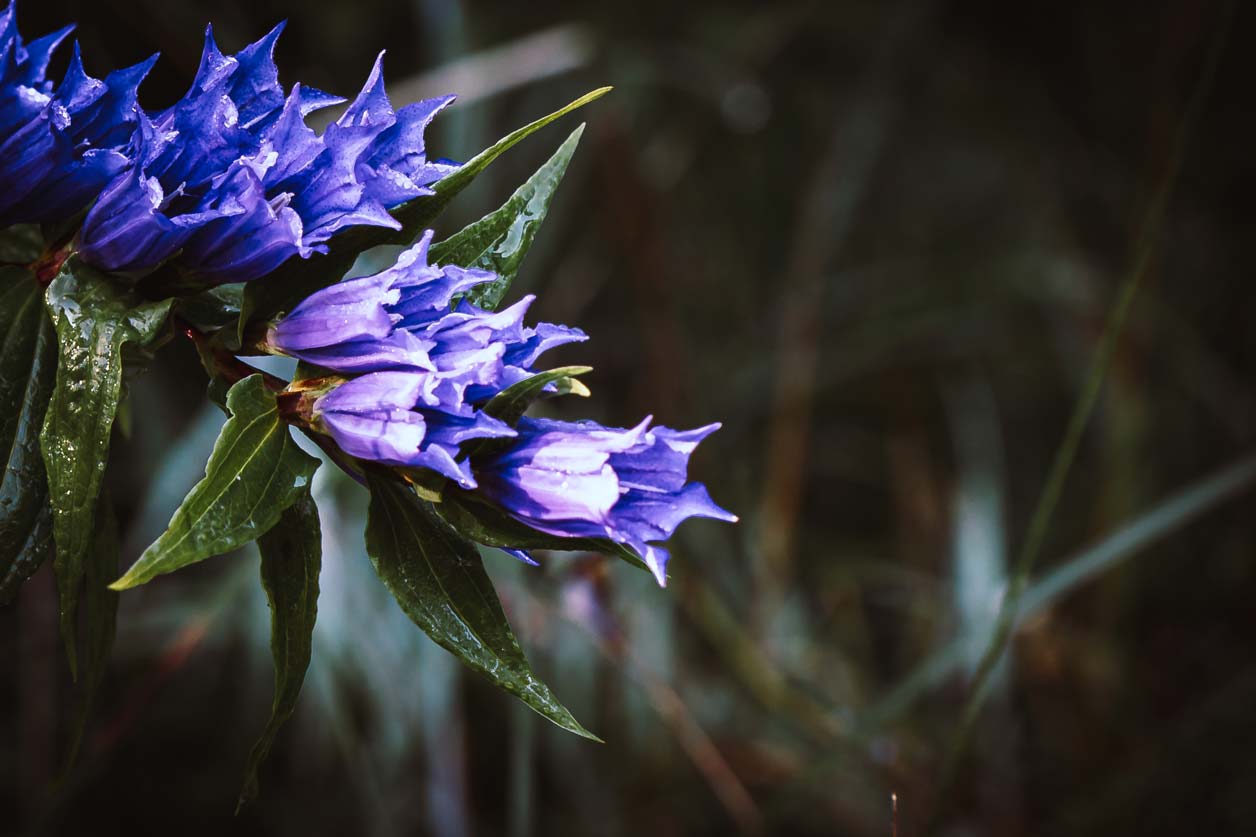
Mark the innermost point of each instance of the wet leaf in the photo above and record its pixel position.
(500, 240)
(255, 472)
(439, 580)
(291, 558)
(28, 365)
(298, 278)
(93, 318)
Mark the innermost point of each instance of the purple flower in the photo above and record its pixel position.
(299, 189)
(584, 480)
(59, 149)
(412, 419)
(177, 186)
(400, 318)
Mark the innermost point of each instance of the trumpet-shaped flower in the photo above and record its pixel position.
(400, 318)
(412, 419)
(584, 480)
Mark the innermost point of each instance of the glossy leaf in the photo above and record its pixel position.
(439, 580)
(510, 404)
(93, 318)
(28, 365)
(489, 525)
(255, 472)
(499, 241)
(291, 558)
(298, 278)
(212, 309)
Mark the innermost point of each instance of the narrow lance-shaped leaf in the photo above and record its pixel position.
(510, 404)
(439, 580)
(298, 278)
(100, 605)
(499, 241)
(28, 366)
(93, 317)
(255, 472)
(291, 558)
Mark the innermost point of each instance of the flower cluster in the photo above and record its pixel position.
(227, 184)
(230, 182)
(422, 369)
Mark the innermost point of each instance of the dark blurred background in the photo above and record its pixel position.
(879, 242)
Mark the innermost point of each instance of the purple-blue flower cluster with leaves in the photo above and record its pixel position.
(229, 183)
(423, 368)
(226, 185)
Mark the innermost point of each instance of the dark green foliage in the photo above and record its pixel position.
(94, 317)
(256, 471)
(499, 241)
(437, 577)
(292, 555)
(100, 619)
(28, 362)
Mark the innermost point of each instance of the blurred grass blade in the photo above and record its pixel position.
(291, 560)
(1174, 513)
(438, 579)
(255, 472)
(499, 241)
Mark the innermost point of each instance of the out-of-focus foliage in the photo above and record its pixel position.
(880, 240)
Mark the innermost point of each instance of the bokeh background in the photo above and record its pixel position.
(879, 241)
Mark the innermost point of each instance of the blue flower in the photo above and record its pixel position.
(176, 186)
(400, 318)
(300, 189)
(60, 148)
(584, 480)
(412, 419)
(232, 182)
(24, 90)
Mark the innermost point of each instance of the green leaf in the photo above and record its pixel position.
(499, 241)
(21, 244)
(100, 605)
(291, 558)
(439, 580)
(255, 472)
(28, 366)
(510, 404)
(93, 318)
(212, 309)
(489, 525)
(269, 296)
